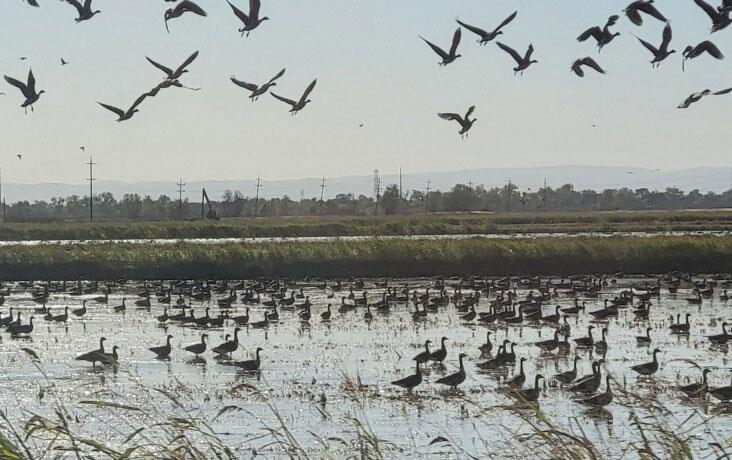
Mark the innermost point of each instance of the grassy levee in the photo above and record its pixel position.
(419, 224)
(370, 258)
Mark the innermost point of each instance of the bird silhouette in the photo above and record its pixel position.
(64, 62)
(523, 62)
(691, 52)
(177, 73)
(486, 36)
(634, 10)
(588, 62)
(85, 12)
(27, 89)
(465, 122)
(252, 20)
(602, 36)
(719, 16)
(301, 103)
(698, 96)
(257, 90)
(32, 3)
(662, 52)
(20, 157)
(180, 9)
(446, 57)
(125, 114)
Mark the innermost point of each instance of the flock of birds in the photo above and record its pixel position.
(505, 309)
(251, 19)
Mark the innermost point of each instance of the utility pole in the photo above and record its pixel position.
(256, 200)
(424, 201)
(543, 200)
(377, 189)
(91, 189)
(508, 196)
(399, 203)
(1, 193)
(322, 189)
(180, 184)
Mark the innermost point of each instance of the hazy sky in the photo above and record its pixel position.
(372, 68)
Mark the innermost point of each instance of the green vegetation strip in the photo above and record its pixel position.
(414, 224)
(374, 258)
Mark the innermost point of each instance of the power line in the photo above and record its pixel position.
(91, 189)
(322, 189)
(180, 184)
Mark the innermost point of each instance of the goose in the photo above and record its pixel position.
(109, 359)
(325, 316)
(453, 380)
(601, 345)
(590, 383)
(85, 11)
(486, 36)
(530, 394)
(273, 316)
(720, 339)
(601, 399)
(368, 316)
(691, 52)
(93, 356)
(649, 368)
(576, 309)
(198, 348)
(552, 318)
(229, 346)
(565, 328)
(510, 356)
(181, 8)
(79, 312)
(516, 319)
(296, 106)
(18, 329)
(696, 390)
(568, 377)
(586, 342)
(523, 62)
(257, 90)
(465, 122)
(252, 364)
(103, 299)
(306, 314)
(588, 62)
(163, 351)
(424, 356)
(120, 308)
(549, 345)
(177, 73)
(633, 11)
(644, 339)
(486, 348)
(450, 56)
(520, 378)
(720, 16)
(411, 381)
(61, 318)
(252, 20)
(440, 354)
(723, 394)
(27, 89)
(662, 52)
(33, 3)
(242, 320)
(261, 324)
(124, 115)
(681, 328)
(602, 36)
(8, 319)
(164, 317)
(493, 363)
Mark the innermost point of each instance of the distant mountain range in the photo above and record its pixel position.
(716, 179)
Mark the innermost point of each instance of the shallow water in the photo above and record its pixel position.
(303, 362)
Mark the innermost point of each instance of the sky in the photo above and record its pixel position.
(372, 68)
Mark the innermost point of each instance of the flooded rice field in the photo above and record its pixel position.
(322, 387)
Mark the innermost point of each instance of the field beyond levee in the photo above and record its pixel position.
(368, 258)
(412, 224)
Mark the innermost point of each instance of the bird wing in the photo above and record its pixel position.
(667, 34)
(33, 3)
(239, 13)
(612, 20)
(577, 68)
(589, 62)
(476, 30)
(632, 13)
(168, 71)
(649, 9)
(187, 62)
(119, 112)
(137, 102)
(516, 57)
(76, 4)
(284, 99)
(276, 77)
(687, 102)
(709, 9)
(451, 117)
(435, 48)
(471, 109)
(529, 52)
(723, 92)
(593, 32)
(187, 5)
(18, 84)
(308, 90)
(711, 48)
(31, 88)
(505, 22)
(254, 6)
(455, 41)
(245, 85)
(648, 46)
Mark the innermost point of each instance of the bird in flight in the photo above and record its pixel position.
(588, 62)
(20, 157)
(256, 90)
(523, 62)
(181, 8)
(602, 36)
(28, 89)
(691, 52)
(446, 57)
(177, 73)
(125, 114)
(252, 20)
(82, 148)
(486, 36)
(64, 62)
(662, 52)
(696, 97)
(465, 122)
(85, 11)
(33, 3)
(719, 16)
(634, 10)
(296, 106)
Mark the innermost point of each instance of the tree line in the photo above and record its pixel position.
(461, 198)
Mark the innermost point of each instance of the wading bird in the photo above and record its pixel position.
(450, 56)
(181, 8)
(603, 36)
(301, 103)
(523, 62)
(252, 20)
(586, 61)
(484, 35)
(256, 90)
(465, 122)
(28, 89)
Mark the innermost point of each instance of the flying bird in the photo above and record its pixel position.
(20, 157)
(662, 52)
(603, 36)
(300, 104)
(82, 148)
(256, 90)
(181, 8)
(465, 122)
(588, 62)
(696, 97)
(64, 62)
(122, 114)
(32, 3)
(719, 16)
(691, 52)
(177, 73)
(634, 10)
(85, 12)
(252, 20)
(28, 89)
(446, 57)
(523, 62)
(486, 36)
